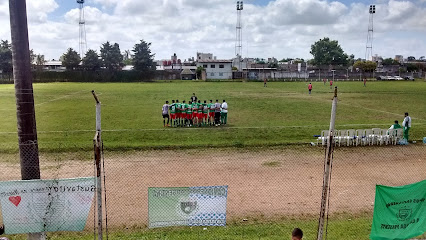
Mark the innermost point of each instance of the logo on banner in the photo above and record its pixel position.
(188, 207)
(403, 214)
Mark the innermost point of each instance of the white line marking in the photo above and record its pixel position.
(62, 97)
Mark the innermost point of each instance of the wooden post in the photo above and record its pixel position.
(328, 163)
(97, 143)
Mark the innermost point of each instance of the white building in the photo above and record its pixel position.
(216, 69)
(53, 66)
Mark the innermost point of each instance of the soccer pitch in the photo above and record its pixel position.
(281, 113)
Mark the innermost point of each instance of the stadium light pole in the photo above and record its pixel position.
(27, 131)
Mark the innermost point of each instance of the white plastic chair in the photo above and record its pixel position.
(342, 136)
(384, 137)
(351, 137)
(361, 138)
(323, 138)
(377, 132)
(369, 136)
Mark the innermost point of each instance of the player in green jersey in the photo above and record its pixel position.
(200, 113)
(183, 113)
(189, 114)
(205, 113)
(178, 113)
(173, 113)
(211, 112)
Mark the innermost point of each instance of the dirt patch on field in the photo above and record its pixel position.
(266, 182)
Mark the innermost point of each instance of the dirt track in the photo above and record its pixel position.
(270, 183)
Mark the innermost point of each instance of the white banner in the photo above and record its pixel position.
(46, 205)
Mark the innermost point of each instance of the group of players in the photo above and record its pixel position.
(195, 113)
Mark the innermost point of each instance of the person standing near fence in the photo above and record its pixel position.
(165, 110)
(217, 113)
(406, 124)
(331, 84)
(297, 234)
(310, 88)
(224, 113)
(365, 82)
(264, 82)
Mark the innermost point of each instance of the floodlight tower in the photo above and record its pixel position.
(82, 47)
(369, 46)
(239, 35)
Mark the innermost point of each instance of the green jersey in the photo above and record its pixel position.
(188, 108)
(211, 107)
(173, 108)
(183, 107)
(200, 108)
(195, 107)
(205, 108)
(178, 106)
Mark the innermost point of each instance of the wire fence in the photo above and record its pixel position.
(265, 185)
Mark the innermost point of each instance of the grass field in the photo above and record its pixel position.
(281, 113)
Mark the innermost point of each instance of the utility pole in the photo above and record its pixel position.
(27, 131)
(327, 168)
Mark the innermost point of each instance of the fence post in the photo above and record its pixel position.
(327, 167)
(97, 143)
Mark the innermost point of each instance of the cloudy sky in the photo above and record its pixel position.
(271, 28)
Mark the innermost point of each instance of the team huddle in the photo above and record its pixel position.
(195, 113)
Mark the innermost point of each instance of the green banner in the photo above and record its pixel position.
(399, 212)
(187, 206)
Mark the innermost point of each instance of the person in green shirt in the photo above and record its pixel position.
(195, 113)
(205, 113)
(211, 112)
(178, 112)
(200, 113)
(189, 114)
(173, 113)
(394, 126)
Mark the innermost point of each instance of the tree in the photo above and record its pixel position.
(366, 66)
(71, 59)
(39, 62)
(91, 61)
(6, 57)
(199, 71)
(412, 67)
(111, 56)
(328, 52)
(389, 61)
(143, 60)
(411, 58)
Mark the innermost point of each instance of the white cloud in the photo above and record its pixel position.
(282, 28)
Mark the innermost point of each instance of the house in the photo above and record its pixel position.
(216, 69)
(54, 66)
(187, 74)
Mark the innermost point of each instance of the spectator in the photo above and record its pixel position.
(310, 88)
(297, 234)
(264, 82)
(406, 124)
(224, 113)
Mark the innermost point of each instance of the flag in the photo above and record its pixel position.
(399, 212)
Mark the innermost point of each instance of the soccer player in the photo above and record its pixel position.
(310, 88)
(178, 115)
(211, 112)
(224, 113)
(183, 113)
(165, 110)
(189, 113)
(217, 113)
(195, 113)
(200, 113)
(205, 112)
(194, 98)
(173, 113)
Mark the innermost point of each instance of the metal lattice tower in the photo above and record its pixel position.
(369, 46)
(82, 47)
(239, 35)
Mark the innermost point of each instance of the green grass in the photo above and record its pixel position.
(341, 226)
(279, 114)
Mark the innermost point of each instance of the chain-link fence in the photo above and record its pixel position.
(277, 186)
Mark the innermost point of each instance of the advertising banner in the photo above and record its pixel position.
(187, 206)
(46, 205)
(399, 212)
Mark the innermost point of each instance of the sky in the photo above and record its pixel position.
(270, 28)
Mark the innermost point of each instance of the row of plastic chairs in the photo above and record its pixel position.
(363, 137)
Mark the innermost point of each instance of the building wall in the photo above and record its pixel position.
(217, 72)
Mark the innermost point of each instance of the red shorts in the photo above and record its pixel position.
(188, 115)
(211, 114)
(183, 115)
(194, 115)
(173, 115)
(200, 115)
(178, 115)
(205, 115)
